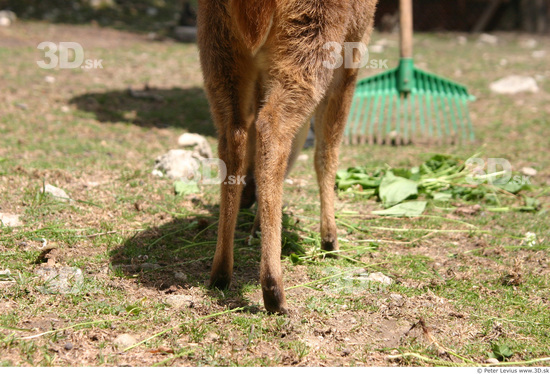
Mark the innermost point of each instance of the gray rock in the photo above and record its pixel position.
(10, 220)
(530, 172)
(180, 301)
(125, 341)
(56, 192)
(62, 280)
(515, 84)
(180, 276)
(178, 164)
(7, 17)
(149, 267)
(197, 143)
(396, 297)
(97, 4)
(529, 43)
(5, 276)
(379, 277)
(487, 39)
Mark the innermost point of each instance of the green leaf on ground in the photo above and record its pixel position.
(406, 209)
(185, 188)
(500, 352)
(394, 190)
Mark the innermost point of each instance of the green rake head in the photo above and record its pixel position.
(407, 105)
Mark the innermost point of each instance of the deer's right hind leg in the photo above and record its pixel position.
(229, 84)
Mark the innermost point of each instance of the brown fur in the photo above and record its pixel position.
(264, 77)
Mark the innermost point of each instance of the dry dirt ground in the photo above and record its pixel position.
(463, 285)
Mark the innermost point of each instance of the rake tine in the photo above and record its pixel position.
(421, 95)
(445, 109)
(461, 114)
(351, 119)
(468, 119)
(373, 114)
(365, 118)
(381, 113)
(406, 119)
(456, 115)
(435, 103)
(357, 115)
(381, 134)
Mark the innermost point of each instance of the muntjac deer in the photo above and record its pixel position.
(267, 70)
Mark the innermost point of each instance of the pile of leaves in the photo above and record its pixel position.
(442, 178)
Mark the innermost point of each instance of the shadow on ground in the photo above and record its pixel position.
(184, 108)
(178, 255)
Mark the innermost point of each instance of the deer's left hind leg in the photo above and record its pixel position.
(330, 121)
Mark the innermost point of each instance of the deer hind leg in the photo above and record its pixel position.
(330, 121)
(229, 83)
(297, 145)
(278, 124)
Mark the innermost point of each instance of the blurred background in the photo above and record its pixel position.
(166, 16)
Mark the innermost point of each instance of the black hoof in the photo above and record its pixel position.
(329, 245)
(221, 282)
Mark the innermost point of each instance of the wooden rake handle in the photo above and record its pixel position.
(406, 28)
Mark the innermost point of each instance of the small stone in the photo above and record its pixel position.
(180, 301)
(7, 17)
(303, 158)
(492, 361)
(69, 346)
(150, 267)
(178, 164)
(212, 336)
(60, 280)
(289, 181)
(98, 4)
(462, 40)
(5, 276)
(49, 79)
(529, 43)
(56, 192)
(157, 173)
(180, 276)
(539, 54)
(396, 297)
(10, 220)
(379, 277)
(125, 341)
(530, 172)
(376, 48)
(197, 142)
(515, 84)
(488, 39)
